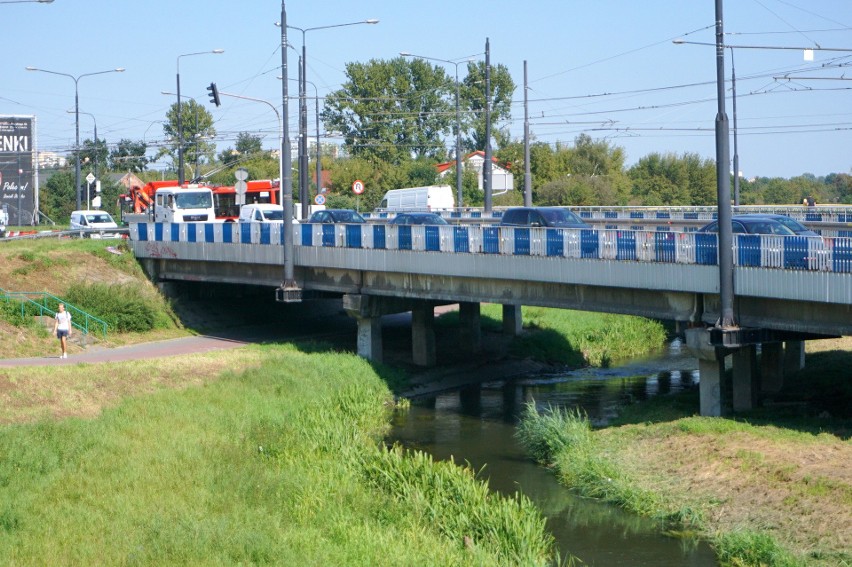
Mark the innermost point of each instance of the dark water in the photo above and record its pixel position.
(477, 426)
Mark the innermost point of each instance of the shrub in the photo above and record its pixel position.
(123, 307)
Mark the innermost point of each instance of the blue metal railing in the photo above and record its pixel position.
(41, 303)
(764, 251)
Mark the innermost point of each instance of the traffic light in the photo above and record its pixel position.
(214, 94)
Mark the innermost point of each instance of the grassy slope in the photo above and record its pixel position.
(274, 461)
(53, 266)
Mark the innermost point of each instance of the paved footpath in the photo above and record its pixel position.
(171, 347)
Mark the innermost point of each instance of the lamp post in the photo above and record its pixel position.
(179, 122)
(486, 167)
(88, 190)
(289, 291)
(77, 117)
(736, 153)
(458, 120)
(303, 109)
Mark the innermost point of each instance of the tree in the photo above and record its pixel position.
(392, 110)
(57, 198)
(673, 180)
(129, 156)
(590, 157)
(248, 146)
(472, 100)
(197, 126)
(93, 152)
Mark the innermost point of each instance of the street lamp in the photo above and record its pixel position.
(303, 110)
(458, 120)
(179, 123)
(77, 117)
(88, 192)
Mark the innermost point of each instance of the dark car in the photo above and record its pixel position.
(746, 224)
(555, 217)
(330, 216)
(418, 218)
(790, 223)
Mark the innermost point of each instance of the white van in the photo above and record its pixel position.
(184, 204)
(97, 224)
(429, 198)
(262, 212)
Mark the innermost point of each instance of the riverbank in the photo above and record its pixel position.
(772, 487)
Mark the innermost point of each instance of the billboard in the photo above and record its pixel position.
(18, 174)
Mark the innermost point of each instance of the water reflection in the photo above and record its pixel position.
(476, 425)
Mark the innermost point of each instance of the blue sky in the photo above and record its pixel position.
(604, 67)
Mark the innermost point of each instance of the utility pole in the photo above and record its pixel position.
(486, 166)
(723, 186)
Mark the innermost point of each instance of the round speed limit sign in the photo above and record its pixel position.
(357, 186)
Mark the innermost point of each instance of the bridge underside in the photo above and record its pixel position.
(372, 288)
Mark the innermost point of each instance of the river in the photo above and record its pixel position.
(477, 425)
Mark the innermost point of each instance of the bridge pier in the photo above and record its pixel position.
(794, 356)
(512, 320)
(370, 338)
(771, 367)
(746, 383)
(470, 328)
(423, 334)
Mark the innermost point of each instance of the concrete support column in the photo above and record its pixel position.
(711, 366)
(794, 356)
(470, 329)
(512, 320)
(710, 387)
(746, 384)
(370, 338)
(423, 334)
(771, 367)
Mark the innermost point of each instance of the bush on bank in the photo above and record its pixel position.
(281, 463)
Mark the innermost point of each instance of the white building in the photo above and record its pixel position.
(502, 179)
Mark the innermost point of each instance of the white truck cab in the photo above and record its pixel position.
(184, 204)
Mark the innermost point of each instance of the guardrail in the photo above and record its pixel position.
(43, 305)
(760, 251)
(121, 232)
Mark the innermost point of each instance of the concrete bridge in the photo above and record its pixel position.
(788, 289)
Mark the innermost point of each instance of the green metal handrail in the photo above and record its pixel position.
(42, 302)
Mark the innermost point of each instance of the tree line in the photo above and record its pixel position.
(397, 119)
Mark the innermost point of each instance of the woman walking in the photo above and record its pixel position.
(62, 328)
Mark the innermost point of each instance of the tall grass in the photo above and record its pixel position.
(461, 508)
(262, 466)
(578, 338)
(748, 548)
(563, 439)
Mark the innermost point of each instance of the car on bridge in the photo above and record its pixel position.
(334, 216)
(552, 217)
(791, 223)
(754, 224)
(418, 218)
(262, 212)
